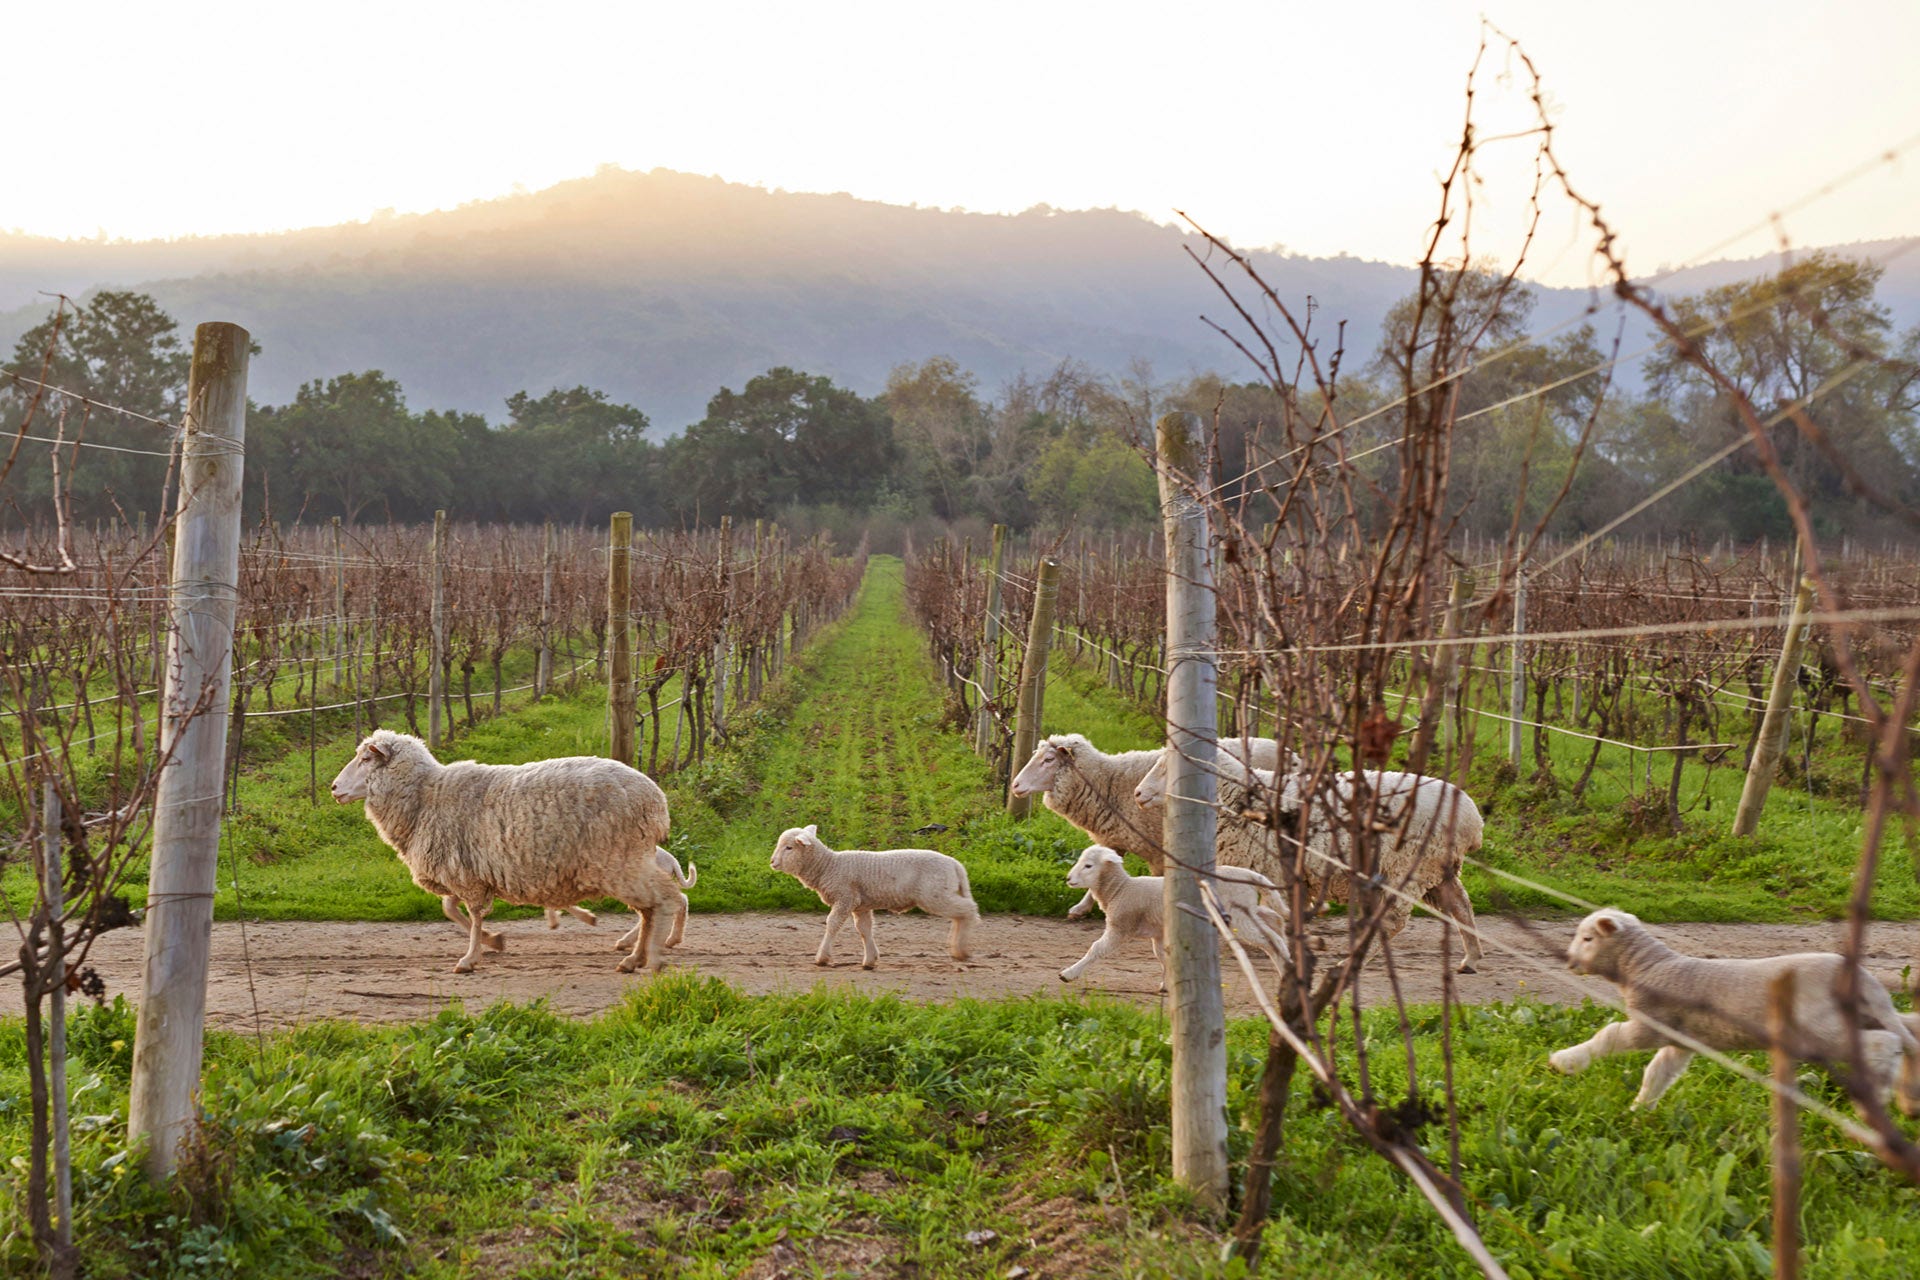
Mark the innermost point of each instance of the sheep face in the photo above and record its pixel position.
(353, 782)
(1048, 759)
(792, 845)
(1595, 938)
(1152, 791)
(1095, 859)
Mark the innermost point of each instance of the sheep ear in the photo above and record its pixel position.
(813, 829)
(1064, 748)
(1606, 924)
(380, 752)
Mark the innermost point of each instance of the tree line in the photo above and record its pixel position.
(1041, 452)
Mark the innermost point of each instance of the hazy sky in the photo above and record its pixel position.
(1319, 126)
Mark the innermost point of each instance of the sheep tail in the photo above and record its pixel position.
(966, 887)
(693, 874)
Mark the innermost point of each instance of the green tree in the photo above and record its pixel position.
(121, 350)
(346, 446)
(574, 454)
(787, 438)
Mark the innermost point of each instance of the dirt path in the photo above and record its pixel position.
(399, 972)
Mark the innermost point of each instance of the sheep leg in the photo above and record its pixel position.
(1882, 1051)
(492, 941)
(1081, 907)
(835, 918)
(627, 939)
(957, 935)
(1661, 1073)
(581, 914)
(1615, 1037)
(553, 918)
(475, 935)
(1106, 942)
(1263, 936)
(1450, 896)
(642, 955)
(679, 922)
(863, 921)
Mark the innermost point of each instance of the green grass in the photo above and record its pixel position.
(694, 1131)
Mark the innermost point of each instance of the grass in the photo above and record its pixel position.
(697, 1132)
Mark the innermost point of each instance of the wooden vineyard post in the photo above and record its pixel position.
(1195, 1008)
(204, 592)
(1786, 1132)
(1033, 679)
(721, 584)
(620, 698)
(339, 608)
(437, 630)
(543, 669)
(1773, 726)
(54, 889)
(989, 666)
(1517, 686)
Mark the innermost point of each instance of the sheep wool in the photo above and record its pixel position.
(546, 834)
(1724, 1005)
(1135, 906)
(859, 882)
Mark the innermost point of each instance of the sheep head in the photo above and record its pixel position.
(1093, 862)
(792, 846)
(374, 753)
(1596, 938)
(1042, 770)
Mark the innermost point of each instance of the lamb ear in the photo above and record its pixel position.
(380, 751)
(1606, 924)
(813, 829)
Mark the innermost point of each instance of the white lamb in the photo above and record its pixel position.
(1422, 861)
(1723, 1004)
(858, 882)
(1094, 791)
(1135, 906)
(546, 834)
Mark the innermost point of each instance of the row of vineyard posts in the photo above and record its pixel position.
(1667, 689)
(135, 680)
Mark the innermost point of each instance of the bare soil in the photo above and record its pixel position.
(373, 972)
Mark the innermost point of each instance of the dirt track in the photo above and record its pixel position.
(397, 972)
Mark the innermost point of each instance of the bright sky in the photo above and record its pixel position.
(1316, 126)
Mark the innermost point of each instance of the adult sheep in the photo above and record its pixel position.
(545, 834)
(1094, 791)
(1430, 828)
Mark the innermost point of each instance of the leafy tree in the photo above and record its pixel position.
(574, 454)
(946, 436)
(120, 349)
(346, 446)
(787, 438)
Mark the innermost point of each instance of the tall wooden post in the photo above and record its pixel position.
(204, 591)
(1773, 726)
(54, 889)
(620, 700)
(437, 626)
(1033, 679)
(1517, 685)
(722, 583)
(989, 668)
(1196, 1011)
(543, 669)
(339, 607)
(1786, 1131)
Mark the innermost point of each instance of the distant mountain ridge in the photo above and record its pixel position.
(661, 287)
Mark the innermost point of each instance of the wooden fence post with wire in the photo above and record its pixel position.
(1773, 726)
(989, 664)
(437, 625)
(169, 1035)
(1033, 679)
(1195, 1006)
(620, 697)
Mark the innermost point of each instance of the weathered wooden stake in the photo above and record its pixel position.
(543, 670)
(620, 700)
(1196, 1012)
(1517, 687)
(168, 1038)
(1033, 679)
(437, 625)
(1786, 1132)
(53, 880)
(988, 671)
(339, 608)
(1773, 726)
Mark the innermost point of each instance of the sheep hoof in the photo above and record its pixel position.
(628, 965)
(867, 964)
(1564, 1062)
(1466, 968)
(463, 966)
(589, 917)
(1065, 976)
(1074, 913)
(494, 941)
(825, 962)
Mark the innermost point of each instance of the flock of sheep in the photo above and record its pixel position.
(556, 832)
